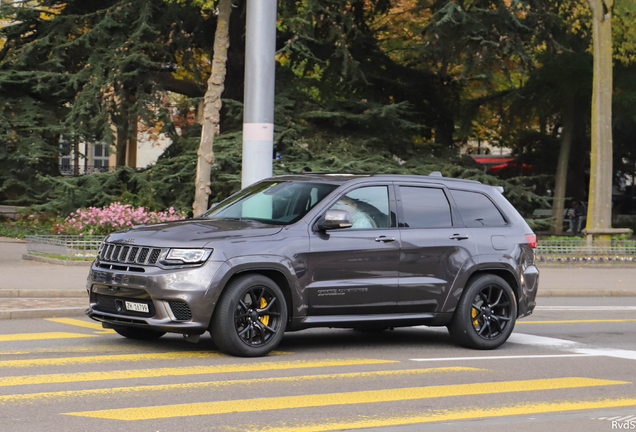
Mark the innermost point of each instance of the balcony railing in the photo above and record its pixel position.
(74, 170)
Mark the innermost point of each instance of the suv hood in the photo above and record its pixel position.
(192, 233)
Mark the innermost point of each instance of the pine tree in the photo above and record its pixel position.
(88, 71)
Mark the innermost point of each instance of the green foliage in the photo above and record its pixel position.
(77, 71)
(338, 136)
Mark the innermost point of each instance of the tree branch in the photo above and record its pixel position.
(181, 86)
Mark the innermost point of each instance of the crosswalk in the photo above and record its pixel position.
(283, 392)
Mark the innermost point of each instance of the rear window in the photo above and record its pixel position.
(477, 210)
(424, 208)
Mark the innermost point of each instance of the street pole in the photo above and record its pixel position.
(258, 117)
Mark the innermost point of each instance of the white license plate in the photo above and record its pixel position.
(137, 307)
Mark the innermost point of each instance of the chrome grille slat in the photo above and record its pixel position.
(117, 253)
(154, 256)
(143, 254)
(133, 254)
(109, 252)
(124, 254)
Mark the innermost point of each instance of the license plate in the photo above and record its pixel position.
(137, 307)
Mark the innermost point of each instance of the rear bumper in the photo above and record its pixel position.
(529, 284)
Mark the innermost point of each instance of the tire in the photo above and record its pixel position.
(240, 329)
(138, 333)
(485, 315)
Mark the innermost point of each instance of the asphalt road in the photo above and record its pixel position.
(570, 367)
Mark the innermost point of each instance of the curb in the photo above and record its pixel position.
(582, 266)
(42, 313)
(27, 257)
(42, 293)
(586, 293)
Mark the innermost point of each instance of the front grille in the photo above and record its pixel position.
(154, 256)
(115, 256)
(180, 310)
(143, 255)
(116, 253)
(110, 304)
(133, 254)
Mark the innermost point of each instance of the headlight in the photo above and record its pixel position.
(189, 256)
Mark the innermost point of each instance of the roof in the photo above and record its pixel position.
(341, 178)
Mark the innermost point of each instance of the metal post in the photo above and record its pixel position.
(258, 119)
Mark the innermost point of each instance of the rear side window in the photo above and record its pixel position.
(477, 210)
(424, 208)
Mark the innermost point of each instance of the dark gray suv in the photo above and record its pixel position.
(323, 250)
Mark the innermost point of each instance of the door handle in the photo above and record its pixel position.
(458, 237)
(385, 239)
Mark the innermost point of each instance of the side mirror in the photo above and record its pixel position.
(335, 219)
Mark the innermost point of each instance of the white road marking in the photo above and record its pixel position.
(505, 357)
(585, 308)
(526, 339)
(570, 346)
(618, 353)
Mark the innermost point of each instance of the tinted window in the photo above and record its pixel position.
(477, 210)
(368, 206)
(424, 208)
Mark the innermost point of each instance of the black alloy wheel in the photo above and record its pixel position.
(491, 311)
(486, 313)
(254, 313)
(250, 317)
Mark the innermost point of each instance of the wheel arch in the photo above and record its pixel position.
(503, 272)
(271, 271)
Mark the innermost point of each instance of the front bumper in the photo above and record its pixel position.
(178, 300)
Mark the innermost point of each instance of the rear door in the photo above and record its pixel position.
(355, 270)
(493, 234)
(435, 245)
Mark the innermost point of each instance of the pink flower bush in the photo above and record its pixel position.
(115, 217)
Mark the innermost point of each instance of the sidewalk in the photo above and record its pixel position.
(30, 289)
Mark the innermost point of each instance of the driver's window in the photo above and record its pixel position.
(368, 206)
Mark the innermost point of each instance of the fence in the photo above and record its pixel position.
(26, 230)
(65, 247)
(579, 251)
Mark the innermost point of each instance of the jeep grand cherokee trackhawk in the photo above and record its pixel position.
(322, 250)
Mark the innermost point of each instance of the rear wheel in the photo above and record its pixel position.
(138, 333)
(486, 313)
(250, 318)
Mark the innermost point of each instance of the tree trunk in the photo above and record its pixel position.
(131, 153)
(599, 214)
(558, 203)
(121, 144)
(76, 158)
(212, 109)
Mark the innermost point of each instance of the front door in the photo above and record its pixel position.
(435, 245)
(355, 270)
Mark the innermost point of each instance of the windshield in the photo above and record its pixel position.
(279, 203)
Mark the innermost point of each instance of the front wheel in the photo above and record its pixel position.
(250, 318)
(138, 333)
(486, 313)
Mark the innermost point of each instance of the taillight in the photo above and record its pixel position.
(532, 240)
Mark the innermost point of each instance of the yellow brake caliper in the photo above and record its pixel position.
(265, 318)
(474, 314)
